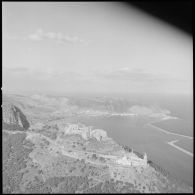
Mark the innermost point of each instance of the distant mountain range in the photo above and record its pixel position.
(63, 106)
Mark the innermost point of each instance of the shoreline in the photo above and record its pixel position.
(172, 143)
(168, 132)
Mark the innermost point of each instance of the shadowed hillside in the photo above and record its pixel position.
(13, 117)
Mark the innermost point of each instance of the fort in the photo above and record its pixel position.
(132, 160)
(86, 132)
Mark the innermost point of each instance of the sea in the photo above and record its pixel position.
(133, 132)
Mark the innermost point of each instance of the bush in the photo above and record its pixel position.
(94, 156)
(14, 156)
(54, 181)
(38, 187)
(102, 159)
(72, 183)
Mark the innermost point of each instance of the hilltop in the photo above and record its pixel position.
(50, 155)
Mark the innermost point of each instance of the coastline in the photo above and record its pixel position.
(172, 143)
(169, 132)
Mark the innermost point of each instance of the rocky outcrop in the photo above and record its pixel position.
(13, 116)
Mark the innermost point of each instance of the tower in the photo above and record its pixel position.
(145, 159)
(89, 133)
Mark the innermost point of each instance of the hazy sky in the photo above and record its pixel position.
(92, 47)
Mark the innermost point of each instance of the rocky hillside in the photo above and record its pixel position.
(42, 108)
(54, 156)
(13, 117)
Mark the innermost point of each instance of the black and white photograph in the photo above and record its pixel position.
(97, 97)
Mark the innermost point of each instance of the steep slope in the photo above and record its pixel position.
(13, 117)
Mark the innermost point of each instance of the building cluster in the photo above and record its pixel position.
(133, 160)
(86, 132)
